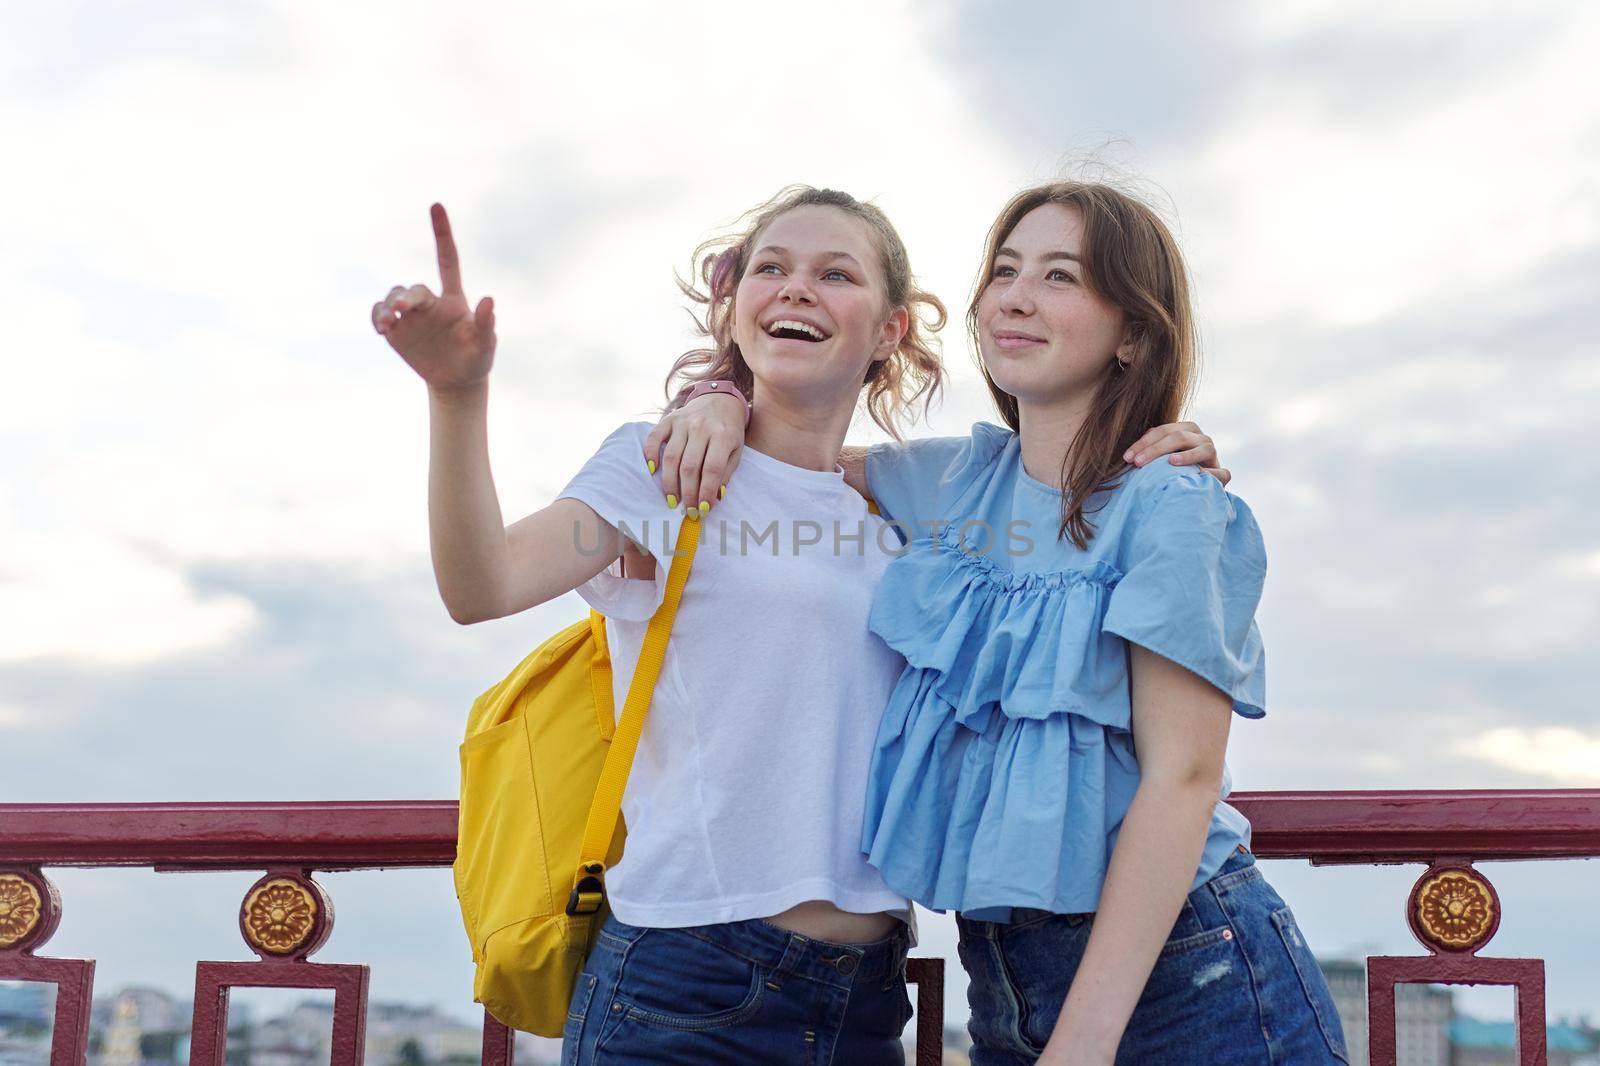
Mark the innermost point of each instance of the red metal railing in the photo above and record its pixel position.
(285, 917)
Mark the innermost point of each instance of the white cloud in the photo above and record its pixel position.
(1342, 216)
(189, 285)
(107, 600)
(15, 717)
(1580, 566)
(1563, 755)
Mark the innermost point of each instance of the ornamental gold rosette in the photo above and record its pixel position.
(1455, 910)
(21, 909)
(280, 915)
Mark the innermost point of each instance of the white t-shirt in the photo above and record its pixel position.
(747, 791)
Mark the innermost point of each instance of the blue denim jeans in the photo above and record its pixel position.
(737, 993)
(1234, 984)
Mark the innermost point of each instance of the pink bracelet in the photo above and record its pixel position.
(726, 388)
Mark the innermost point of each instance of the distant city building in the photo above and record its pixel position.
(1479, 1043)
(158, 1011)
(1428, 1032)
(1422, 1016)
(274, 1054)
(26, 1002)
(396, 1035)
(147, 1027)
(122, 1044)
(26, 1008)
(140, 1027)
(1347, 980)
(437, 1037)
(285, 1040)
(155, 1010)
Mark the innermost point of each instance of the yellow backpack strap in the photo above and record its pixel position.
(605, 706)
(588, 888)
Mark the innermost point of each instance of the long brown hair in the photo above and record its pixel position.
(1131, 259)
(912, 371)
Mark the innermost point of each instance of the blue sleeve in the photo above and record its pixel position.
(1193, 567)
(916, 482)
(618, 487)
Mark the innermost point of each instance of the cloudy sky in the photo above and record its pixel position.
(215, 580)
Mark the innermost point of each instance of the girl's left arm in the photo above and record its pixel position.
(1180, 727)
(1186, 442)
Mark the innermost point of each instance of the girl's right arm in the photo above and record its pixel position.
(696, 449)
(484, 570)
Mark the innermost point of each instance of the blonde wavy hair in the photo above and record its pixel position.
(914, 371)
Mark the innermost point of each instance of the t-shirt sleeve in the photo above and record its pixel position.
(916, 482)
(618, 486)
(1193, 568)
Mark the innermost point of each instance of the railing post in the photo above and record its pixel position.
(1453, 911)
(928, 976)
(284, 918)
(30, 911)
(499, 1042)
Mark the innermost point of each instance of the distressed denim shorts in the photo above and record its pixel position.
(737, 993)
(1235, 983)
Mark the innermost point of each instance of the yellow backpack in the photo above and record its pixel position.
(543, 768)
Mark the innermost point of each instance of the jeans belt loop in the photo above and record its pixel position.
(899, 949)
(793, 952)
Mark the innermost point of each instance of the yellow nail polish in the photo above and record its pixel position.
(723, 491)
(672, 501)
(704, 506)
(651, 463)
(693, 513)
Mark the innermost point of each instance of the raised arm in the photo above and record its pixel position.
(483, 569)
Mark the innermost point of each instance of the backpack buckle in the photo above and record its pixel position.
(588, 890)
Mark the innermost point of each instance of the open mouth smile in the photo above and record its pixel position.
(792, 329)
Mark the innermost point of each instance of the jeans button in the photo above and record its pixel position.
(845, 964)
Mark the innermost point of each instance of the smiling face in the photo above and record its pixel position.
(810, 312)
(1044, 334)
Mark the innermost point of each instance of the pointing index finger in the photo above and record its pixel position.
(449, 263)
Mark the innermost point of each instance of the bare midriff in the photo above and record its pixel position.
(815, 918)
(821, 920)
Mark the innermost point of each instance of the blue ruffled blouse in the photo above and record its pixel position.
(1005, 761)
